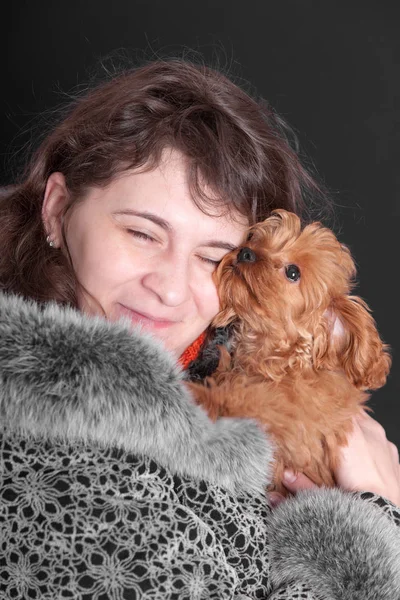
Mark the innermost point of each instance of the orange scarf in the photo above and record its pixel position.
(192, 351)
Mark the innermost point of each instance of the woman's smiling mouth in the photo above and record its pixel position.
(146, 320)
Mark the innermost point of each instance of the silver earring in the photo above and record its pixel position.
(50, 242)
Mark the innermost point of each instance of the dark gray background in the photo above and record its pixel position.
(332, 69)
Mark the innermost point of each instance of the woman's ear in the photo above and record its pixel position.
(55, 200)
(364, 357)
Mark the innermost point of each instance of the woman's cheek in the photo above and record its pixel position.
(209, 299)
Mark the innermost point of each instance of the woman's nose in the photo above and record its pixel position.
(169, 280)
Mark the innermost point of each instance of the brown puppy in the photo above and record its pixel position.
(304, 349)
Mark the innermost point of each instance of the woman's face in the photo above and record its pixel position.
(144, 251)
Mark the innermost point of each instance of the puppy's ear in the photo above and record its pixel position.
(356, 341)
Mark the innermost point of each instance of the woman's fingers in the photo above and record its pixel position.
(275, 498)
(370, 462)
(395, 451)
(295, 482)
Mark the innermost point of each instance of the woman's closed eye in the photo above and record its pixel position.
(214, 262)
(210, 261)
(141, 235)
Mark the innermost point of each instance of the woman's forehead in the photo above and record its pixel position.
(172, 174)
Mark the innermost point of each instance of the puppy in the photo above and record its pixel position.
(304, 350)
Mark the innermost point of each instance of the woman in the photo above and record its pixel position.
(114, 483)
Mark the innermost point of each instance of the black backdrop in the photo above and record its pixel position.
(332, 69)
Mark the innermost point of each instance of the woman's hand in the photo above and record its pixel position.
(369, 463)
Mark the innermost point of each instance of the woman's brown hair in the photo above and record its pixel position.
(234, 144)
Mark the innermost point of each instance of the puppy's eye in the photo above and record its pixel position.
(292, 272)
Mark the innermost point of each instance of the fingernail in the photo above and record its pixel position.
(274, 499)
(289, 476)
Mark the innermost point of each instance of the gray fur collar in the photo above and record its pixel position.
(67, 376)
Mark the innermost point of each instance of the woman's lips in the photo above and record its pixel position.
(145, 320)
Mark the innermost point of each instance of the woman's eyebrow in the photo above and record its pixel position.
(146, 215)
(218, 244)
(167, 226)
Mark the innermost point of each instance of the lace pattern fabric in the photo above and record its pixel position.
(296, 591)
(389, 509)
(96, 523)
(93, 523)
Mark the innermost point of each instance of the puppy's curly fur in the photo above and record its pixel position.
(304, 350)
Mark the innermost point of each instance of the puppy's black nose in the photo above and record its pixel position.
(246, 255)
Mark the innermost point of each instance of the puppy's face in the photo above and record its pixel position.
(287, 289)
(283, 275)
